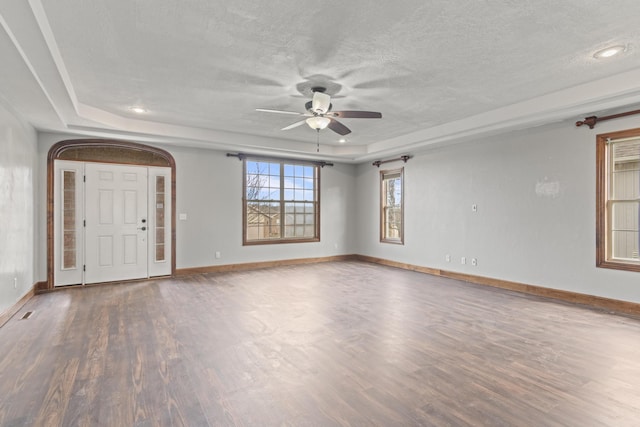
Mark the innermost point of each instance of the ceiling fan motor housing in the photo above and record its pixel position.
(309, 107)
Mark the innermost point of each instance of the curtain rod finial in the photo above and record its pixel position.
(589, 121)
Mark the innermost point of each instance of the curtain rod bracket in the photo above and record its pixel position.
(592, 120)
(589, 121)
(240, 156)
(380, 162)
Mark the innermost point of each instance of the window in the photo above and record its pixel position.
(281, 202)
(391, 203)
(618, 200)
(69, 223)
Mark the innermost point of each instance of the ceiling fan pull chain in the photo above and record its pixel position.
(317, 140)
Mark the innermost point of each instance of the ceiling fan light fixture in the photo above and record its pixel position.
(321, 102)
(318, 122)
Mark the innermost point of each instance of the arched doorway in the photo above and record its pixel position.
(111, 210)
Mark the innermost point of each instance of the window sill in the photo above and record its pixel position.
(393, 242)
(615, 265)
(278, 241)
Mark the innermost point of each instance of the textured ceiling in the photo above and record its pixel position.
(436, 69)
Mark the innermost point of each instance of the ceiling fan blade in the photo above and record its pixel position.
(356, 114)
(266, 110)
(294, 125)
(321, 102)
(338, 127)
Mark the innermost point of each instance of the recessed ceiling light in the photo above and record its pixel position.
(138, 109)
(342, 140)
(609, 52)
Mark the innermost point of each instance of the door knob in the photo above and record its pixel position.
(142, 228)
(144, 220)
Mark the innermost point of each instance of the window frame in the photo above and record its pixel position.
(383, 208)
(603, 220)
(316, 202)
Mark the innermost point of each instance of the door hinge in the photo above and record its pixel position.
(84, 178)
(84, 222)
(84, 268)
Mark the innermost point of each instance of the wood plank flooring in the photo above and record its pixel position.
(332, 344)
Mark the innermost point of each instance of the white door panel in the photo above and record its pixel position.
(116, 228)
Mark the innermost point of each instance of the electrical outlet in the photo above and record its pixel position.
(15, 283)
(447, 258)
(474, 261)
(474, 208)
(218, 255)
(463, 260)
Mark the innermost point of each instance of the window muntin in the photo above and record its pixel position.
(618, 199)
(391, 206)
(281, 202)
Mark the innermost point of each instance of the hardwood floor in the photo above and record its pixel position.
(343, 343)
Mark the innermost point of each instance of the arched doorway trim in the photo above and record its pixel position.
(105, 151)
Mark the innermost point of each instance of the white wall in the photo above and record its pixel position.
(535, 223)
(17, 198)
(209, 191)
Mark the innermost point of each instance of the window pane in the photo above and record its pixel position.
(618, 236)
(309, 230)
(391, 206)
(288, 170)
(308, 172)
(626, 181)
(159, 220)
(625, 234)
(624, 216)
(69, 220)
(252, 167)
(309, 184)
(289, 195)
(625, 193)
(267, 218)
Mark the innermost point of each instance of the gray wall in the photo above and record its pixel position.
(209, 192)
(535, 222)
(17, 198)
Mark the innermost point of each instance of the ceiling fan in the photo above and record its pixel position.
(319, 115)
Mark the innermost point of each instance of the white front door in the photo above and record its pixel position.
(116, 229)
(111, 222)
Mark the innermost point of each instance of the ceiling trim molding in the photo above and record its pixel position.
(47, 33)
(29, 65)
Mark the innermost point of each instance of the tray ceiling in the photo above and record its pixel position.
(438, 71)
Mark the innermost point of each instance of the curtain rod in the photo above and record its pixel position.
(242, 156)
(380, 162)
(592, 120)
